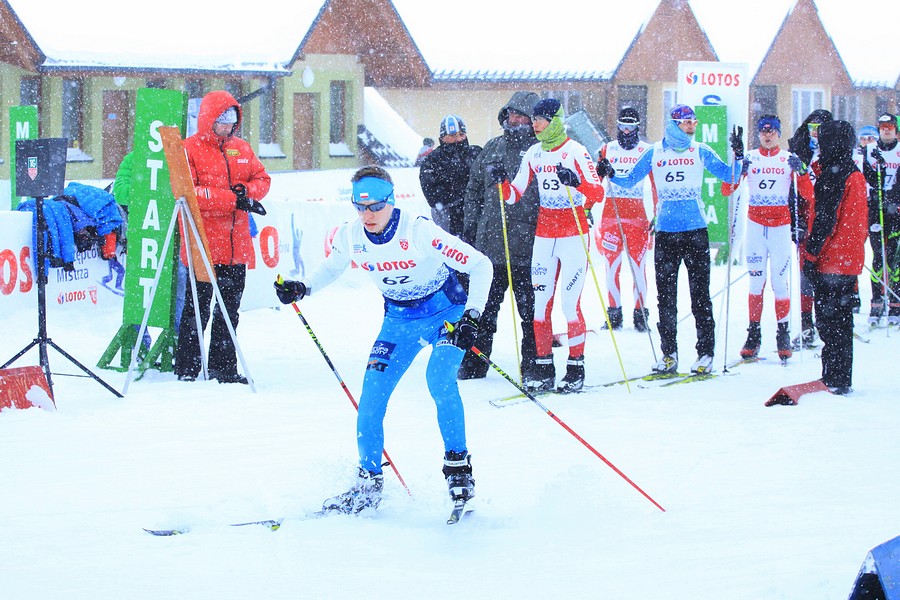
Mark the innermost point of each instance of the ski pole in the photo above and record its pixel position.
(512, 293)
(343, 385)
(641, 292)
(587, 254)
(884, 263)
(559, 421)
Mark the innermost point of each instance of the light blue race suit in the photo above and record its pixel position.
(409, 261)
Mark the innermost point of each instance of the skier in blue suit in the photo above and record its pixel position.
(412, 261)
(677, 163)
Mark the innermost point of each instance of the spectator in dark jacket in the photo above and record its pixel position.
(835, 250)
(445, 173)
(484, 229)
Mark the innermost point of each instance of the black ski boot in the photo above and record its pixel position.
(783, 341)
(574, 379)
(876, 311)
(641, 319)
(458, 472)
(754, 339)
(365, 493)
(544, 375)
(615, 317)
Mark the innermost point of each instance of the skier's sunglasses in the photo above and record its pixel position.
(374, 207)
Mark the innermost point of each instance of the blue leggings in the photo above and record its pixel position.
(404, 332)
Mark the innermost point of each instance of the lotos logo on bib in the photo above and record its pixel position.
(450, 252)
(394, 265)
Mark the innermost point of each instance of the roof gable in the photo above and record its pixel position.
(801, 37)
(16, 45)
(650, 56)
(373, 31)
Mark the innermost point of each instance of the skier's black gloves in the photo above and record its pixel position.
(737, 142)
(567, 176)
(745, 166)
(605, 168)
(465, 331)
(796, 164)
(497, 173)
(244, 203)
(879, 158)
(290, 291)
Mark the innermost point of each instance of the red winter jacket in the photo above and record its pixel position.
(843, 252)
(217, 164)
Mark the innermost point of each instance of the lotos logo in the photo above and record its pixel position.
(395, 265)
(625, 160)
(77, 296)
(767, 171)
(449, 252)
(675, 162)
(719, 79)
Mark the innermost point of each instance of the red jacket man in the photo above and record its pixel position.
(229, 181)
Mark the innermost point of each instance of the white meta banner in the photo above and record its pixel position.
(716, 84)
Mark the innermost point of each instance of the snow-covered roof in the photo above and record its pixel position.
(482, 39)
(391, 132)
(176, 34)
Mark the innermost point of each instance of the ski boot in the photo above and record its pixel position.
(615, 317)
(574, 379)
(754, 339)
(544, 375)
(641, 317)
(365, 493)
(458, 472)
(704, 365)
(783, 341)
(667, 364)
(875, 313)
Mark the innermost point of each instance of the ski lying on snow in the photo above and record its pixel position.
(519, 398)
(691, 379)
(654, 376)
(271, 524)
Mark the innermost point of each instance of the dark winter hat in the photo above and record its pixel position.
(629, 116)
(682, 112)
(228, 117)
(451, 125)
(769, 122)
(546, 108)
(887, 119)
(820, 115)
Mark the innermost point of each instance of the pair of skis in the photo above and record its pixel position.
(460, 511)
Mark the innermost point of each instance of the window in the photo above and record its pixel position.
(157, 83)
(194, 88)
(764, 101)
(670, 99)
(267, 115)
(806, 101)
(233, 87)
(634, 96)
(337, 104)
(337, 101)
(846, 108)
(30, 91)
(882, 105)
(571, 100)
(72, 103)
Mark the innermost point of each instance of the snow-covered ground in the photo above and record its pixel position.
(760, 503)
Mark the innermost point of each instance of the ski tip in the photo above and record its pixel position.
(165, 532)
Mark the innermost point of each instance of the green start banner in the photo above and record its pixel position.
(712, 130)
(151, 209)
(23, 125)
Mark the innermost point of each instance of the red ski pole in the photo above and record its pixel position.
(562, 424)
(343, 385)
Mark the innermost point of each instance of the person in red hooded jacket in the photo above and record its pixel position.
(229, 181)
